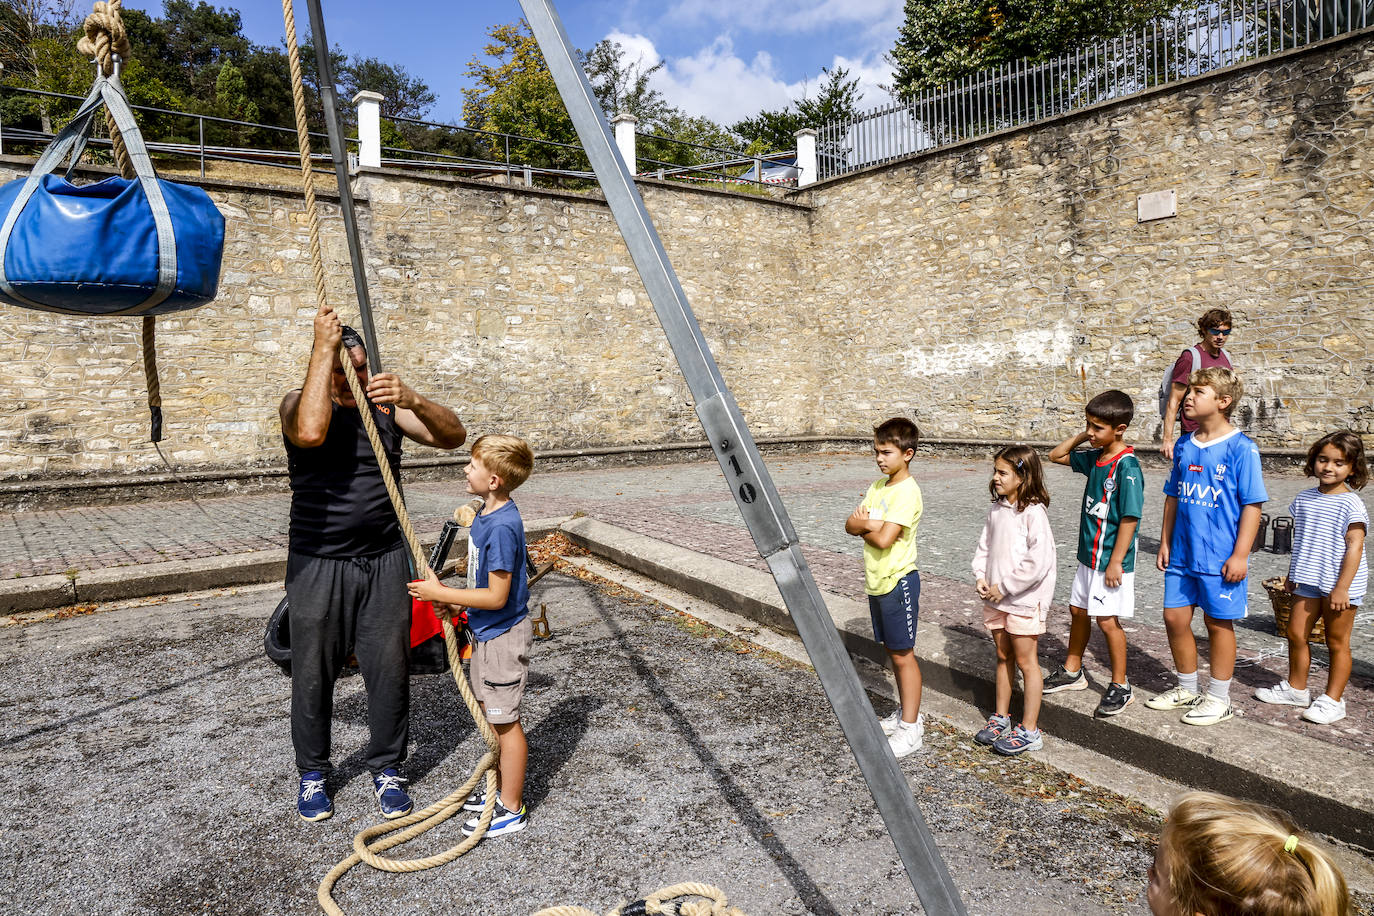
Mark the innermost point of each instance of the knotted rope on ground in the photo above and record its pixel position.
(370, 842)
(665, 902)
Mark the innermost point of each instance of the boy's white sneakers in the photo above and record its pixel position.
(1325, 710)
(1208, 711)
(907, 738)
(1285, 694)
(1173, 698)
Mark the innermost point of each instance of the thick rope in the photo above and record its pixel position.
(659, 902)
(368, 843)
(103, 38)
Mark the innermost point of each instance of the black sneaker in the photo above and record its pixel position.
(1063, 679)
(1117, 698)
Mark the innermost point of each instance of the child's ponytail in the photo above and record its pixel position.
(1226, 856)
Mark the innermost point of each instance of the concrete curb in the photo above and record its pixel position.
(1240, 758)
(121, 583)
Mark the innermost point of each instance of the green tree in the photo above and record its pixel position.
(514, 93)
(406, 96)
(622, 86)
(942, 40)
(836, 98)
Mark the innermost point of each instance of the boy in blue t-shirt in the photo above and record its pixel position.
(498, 616)
(1211, 515)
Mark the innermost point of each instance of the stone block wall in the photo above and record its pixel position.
(983, 288)
(1000, 280)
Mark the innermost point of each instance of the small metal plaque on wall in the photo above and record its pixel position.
(1156, 205)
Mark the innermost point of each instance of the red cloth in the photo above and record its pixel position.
(423, 622)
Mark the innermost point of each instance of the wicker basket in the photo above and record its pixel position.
(1283, 609)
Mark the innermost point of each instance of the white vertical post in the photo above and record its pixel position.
(369, 129)
(625, 139)
(806, 157)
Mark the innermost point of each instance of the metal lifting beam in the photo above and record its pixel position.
(747, 477)
(340, 154)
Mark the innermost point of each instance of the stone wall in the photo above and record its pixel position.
(991, 284)
(983, 288)
(519, 308)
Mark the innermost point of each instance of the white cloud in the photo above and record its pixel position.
(716, 83)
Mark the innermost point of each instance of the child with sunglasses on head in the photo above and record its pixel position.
(1218, 856)
(1327, 573)
(1014, 566)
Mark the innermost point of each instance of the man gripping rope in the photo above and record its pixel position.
(348, 565)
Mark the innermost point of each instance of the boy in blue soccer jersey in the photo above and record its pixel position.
(1211, 515)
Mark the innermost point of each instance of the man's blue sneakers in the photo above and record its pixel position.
(392, 799)
(503, 820)
(312, 801)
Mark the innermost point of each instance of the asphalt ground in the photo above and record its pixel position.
(148, 771)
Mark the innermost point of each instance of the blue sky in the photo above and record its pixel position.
(722, 60)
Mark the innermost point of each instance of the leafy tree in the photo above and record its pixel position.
(941, 40)
(514, 93)
(198, 39)
(622, 87)
(406, 96)
(837, 98)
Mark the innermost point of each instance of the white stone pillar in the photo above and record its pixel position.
(806, 157)
(369, 129)
(625, 139)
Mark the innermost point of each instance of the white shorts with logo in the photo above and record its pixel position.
(1091, 592)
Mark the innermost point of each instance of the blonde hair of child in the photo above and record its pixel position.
(1225, 856)
(1223, 381)
(508, 457)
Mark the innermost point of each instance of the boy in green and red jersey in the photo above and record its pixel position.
(1104, 587)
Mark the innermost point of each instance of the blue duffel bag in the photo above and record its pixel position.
(119, 246)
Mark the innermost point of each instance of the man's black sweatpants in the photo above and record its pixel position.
(337, 606)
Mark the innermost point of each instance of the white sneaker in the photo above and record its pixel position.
(1325, 710)
(1283, 695)
(1208, 711)
(890, 723)
(907, 739)
(1176, 698)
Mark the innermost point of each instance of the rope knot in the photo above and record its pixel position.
(104, 35)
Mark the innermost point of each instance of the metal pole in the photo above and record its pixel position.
(201, 122)
(340, 154)
(749, 481)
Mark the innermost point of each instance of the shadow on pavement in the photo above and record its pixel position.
(749, 816)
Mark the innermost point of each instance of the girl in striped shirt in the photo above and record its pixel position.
(1327, 574)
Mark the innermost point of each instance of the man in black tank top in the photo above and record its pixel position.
(348, 565)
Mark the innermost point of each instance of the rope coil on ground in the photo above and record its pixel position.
(373, 840)
(664, 902)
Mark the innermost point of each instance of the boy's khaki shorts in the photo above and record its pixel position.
(499, 669)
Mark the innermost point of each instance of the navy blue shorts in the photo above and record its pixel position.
(894, 614)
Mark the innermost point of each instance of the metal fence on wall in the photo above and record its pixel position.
(1186, 43)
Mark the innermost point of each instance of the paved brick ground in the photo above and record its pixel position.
(688, 505)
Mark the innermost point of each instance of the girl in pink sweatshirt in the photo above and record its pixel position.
(1014, 566)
